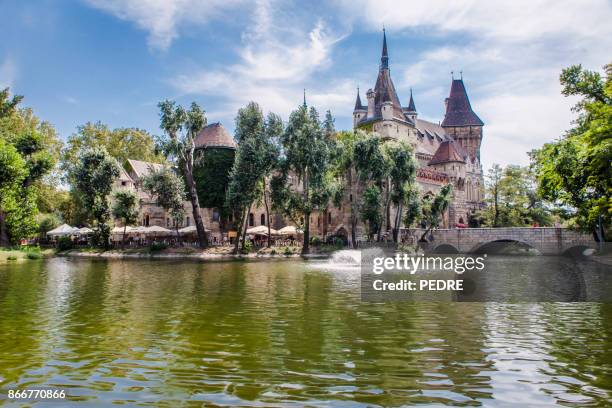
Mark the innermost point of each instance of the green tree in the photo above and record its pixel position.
(402, 175)
(120, 143)
(575, 170)
(434, 208)
(372, 167)
(125, 209)
(93, 177)
(494, 176)
(302, 183)
(169, 191)
(13, 171)
(36, 143)
(181, 127)
(255, 158)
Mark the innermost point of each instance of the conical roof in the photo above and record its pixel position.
(458, 109)
(214, 135)
(448, 151)
(358, 105)
(411, 106)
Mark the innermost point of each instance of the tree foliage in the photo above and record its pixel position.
(29, 149)
(93, 178)
(575, 170)
(169, 192)
(125, 209)
(302, 183)
(181, 127)
(255, 158)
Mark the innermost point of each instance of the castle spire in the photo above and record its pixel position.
(458, 109)
(411, 106)
(384, 60)
(358, 105)
(305, 98)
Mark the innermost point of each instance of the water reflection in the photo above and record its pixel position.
(284, 333)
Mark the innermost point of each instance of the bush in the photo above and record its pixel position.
(158, 246)
(34, 255)
(273, 252)
(11, 258)
(248, 247)
(315, 241)
(287, 251)
(64, 244)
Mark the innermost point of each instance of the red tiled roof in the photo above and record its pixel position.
(448, 151)
(214, 135)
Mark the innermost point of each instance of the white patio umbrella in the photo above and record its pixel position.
(261, 230)
(290, 230)
(190, 230)
(84, 231)
(62, 230)
(157, 230)
(119, 230)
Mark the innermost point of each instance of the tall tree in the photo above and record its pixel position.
(402, 176)
(93, 177)
(169, 192)
(372, 167)
(36, 143)
(255, 158)
(301, 184)
(12, 173)
(494, 176)
(181, 127)
(575, 170)
(125, 209)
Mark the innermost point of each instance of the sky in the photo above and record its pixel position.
(113, 60)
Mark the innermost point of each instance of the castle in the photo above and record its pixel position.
(448, 152)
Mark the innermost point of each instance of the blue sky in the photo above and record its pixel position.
(113, 60)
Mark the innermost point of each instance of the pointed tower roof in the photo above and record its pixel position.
(384, 88)
(358, 105)
(411, 106)
(384, 59)
(448, 151)
(305, 98)
(214, 135)
(458, 109)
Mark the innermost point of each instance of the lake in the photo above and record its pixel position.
(288, 333)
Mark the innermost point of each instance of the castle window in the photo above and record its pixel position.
(251, 219)
(263, 219)
(215, 216)
(187, 221)
(124, 183)
(329, 218)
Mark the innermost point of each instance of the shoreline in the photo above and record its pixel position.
(197, 256)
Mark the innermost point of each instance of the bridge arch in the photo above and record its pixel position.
(578, 251)
(445, 249)
(505, 246)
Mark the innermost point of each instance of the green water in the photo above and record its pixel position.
(285, 334)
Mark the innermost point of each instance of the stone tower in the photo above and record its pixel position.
(460, 122)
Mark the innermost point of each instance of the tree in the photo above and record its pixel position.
(575, 170)
(372, 167)
(344, 165)
(120, 143)
(12, 173)
(255, 158)
(125, 209)
(36, 143)
(302, 183)
(181, 127)
(169, 190)
(493, 179)
(93, 177)
(434, 208)
(402, 176)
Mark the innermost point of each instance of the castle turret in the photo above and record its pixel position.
(360, 112)
(460, 121)
(410, 111)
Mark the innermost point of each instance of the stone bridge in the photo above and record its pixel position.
(547, 241)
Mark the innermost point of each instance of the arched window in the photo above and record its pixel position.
(329, 218)
(251, 219)
(146, 220)
(263, 219)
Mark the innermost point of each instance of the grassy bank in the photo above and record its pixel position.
(24, 254)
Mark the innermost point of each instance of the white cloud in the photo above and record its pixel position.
(277, 60)
(8, 73)
(162, 19)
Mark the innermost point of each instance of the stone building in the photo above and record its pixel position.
(448, 152)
